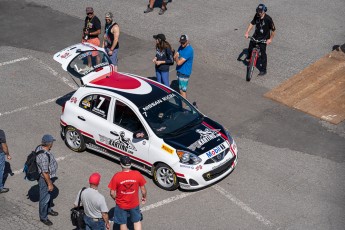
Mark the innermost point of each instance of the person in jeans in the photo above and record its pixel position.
(184, 62)
(3, 152)
(163, 59)
(124, 189)
(47, 167)
(111, 38)
(95, 208)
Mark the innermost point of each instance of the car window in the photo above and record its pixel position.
(126, 118)
(97, 104)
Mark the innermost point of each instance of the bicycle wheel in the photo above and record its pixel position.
(250, 68)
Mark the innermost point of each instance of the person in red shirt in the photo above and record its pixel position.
(124, 189)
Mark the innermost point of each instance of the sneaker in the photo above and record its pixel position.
(148, 10)
(53, 213)
(3, 190)
(162, 11)
(47, 222)
(262, 73)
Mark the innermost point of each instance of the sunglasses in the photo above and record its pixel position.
(107, 18)
(89, 13)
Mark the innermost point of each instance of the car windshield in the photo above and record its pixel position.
(170, 115)
(87, 62)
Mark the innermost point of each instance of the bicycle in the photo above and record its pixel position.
(254, 57)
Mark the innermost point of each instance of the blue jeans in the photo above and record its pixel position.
(113, 57)
(90, 224)
(2, 169)
(45, 201)
(163, 77)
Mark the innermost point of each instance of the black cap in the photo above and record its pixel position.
(183, 38)
(125, 162)
(160, 37)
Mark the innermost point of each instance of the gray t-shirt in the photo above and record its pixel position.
(93, 202)
(2, 139)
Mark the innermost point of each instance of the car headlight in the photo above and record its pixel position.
(188, 158)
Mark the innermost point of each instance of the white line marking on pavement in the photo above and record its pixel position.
(243, 205)
(167, 201)
(28, 107)
(14, 61)
(17, 172)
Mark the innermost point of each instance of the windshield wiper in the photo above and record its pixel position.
(193, 123)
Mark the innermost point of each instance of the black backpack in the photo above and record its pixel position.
(30, 166)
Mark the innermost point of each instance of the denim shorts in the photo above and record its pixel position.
(113, 57)
(121, 215)
(182, 81)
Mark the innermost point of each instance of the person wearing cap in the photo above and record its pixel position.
(3, 152)
(95, 208)
(47, 167)
(91, 30)
(151, 4)
(111, 38)
(163, 59)
(264, 30)
(184, 62)
(124, 189)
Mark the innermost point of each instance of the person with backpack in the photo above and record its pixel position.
(3, 152)
(47, 168)
(163, 59)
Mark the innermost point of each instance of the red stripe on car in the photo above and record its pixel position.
(222, 134)
(158, 85)
(179, 174)
(86, 134)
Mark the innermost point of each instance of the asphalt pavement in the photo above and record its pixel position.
(291, 165)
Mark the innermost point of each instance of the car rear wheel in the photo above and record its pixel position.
(165, 177)
(74, 140)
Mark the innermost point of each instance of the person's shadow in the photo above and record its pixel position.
(34, 192)
(7, 172)
(243, 59)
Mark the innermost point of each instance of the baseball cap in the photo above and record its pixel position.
(109, 15)
(184, 38)
(89, 9)
(125, 162)
(95, 178)
(47, 138)
(159, 36)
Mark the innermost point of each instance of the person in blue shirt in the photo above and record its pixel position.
(184, 63)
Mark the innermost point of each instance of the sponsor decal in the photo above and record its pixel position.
(199, 167)
(95, 67)
(73, 100)
(121, 142)
(205, 136)
(99, 111)
(187, 166)
(65, 55)
(157, 102)
(96, 147)
(167, 149)
(81, 56)
(213, 152)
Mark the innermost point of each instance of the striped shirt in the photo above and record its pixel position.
(44, 164)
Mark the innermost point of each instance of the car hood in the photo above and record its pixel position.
(199, 139)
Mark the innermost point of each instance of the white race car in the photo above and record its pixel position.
(119, 114)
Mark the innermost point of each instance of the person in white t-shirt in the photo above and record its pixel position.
(95, 208)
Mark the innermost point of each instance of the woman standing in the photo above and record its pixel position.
(163, 59)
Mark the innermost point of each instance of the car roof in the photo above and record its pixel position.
(139, 90)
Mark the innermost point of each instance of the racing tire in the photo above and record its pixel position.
(250, 69)
(74, 140)
(164, 177)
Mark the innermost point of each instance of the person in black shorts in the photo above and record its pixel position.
(264, 29)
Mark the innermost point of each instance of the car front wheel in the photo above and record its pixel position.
(74, 140)
(165, 177)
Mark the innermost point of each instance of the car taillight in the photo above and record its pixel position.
(63, 107)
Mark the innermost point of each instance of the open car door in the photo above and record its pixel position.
(84, 61)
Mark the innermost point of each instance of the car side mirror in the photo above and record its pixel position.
(195, 105)
(140, 135)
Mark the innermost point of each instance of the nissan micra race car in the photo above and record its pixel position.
(119, 114)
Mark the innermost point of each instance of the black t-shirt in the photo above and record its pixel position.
(263, 27)
(2, 139)
(92, 25)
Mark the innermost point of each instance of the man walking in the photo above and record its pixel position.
(124, 189)
(95, 207)
(3, 152)
(111, 38)
(264, 30)
(47, 167)
(151, 4)
(184, 63)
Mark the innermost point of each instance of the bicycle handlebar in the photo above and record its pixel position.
(257, 41)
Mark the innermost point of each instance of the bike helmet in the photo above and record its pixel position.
(261, 7)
